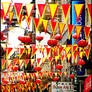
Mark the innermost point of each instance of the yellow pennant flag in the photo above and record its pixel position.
(78, 30)
(9, 63)
(44, 59)
(53, 10)
(6, 7)
(81, 54)
(11, 14)
(20, 62)
(28, 19)
(61, 27)
(56, 59)
(32, 62)
(68, 57)
(67, 50)
(78, 9)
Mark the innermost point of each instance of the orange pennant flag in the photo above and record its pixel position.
(60, 50)
(50, 60)
(34, 50)
(36, 22)
(41, 9)
(70, 29)
(56, 59)
(11, 14)
(38, 61)
(68, 57)
(32, 62)
(45, 24)
(78, 30)
(78, 9)
(6, 7)
(21, 52)
(90, 11)
(18, 9)
(26, 62)
(9, 50)
(61, 27)
(53, 26)
(65, 9)
(87, 32)
(28, 19)
(53, 10)
(48, 51)
(44, 59)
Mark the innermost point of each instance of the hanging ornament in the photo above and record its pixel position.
(72, 76)
(58, 37)
(59, 67)
(39, 38)
(81, 62)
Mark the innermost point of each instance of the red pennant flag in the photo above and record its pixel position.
(26, 62)
(53, 26)
(34, 50)
(41, 9)
(75, 56)
(21, 52)
(44, 59)
(6, 7)
(11, 14)
(32, 62)
(78, 30)
(61, 27)
(3, 63)
(55, 51)
(78, 9)
(45, 24)
(2, 15)
(36, 22)
(38, 60)
(53, 10)
(9, 50)
(65, 9)
(62, 58)
(87, 32)
(50, 60)
(9, 63)
(70, 29)
(48, 51)
(20, 19)
(75, 48)
(56, 59)
(28, 19)
(18, 8)
(90, 11)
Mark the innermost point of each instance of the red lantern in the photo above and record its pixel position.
(75, 36)
(55, 79)
(37, 68)
(22, 82)
(15, 68)
(39, 38)
(81, 62)
(58, 37)
(59, 67)
(38, 81)
(52, 42)
(5, 81)
(82, 43)
(25, 39)
(72, 76)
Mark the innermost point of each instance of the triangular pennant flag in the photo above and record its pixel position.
(87, 53)
(6, 7)
(34, 50)
(44, 59)
(3, 63)
(80, 49)
(68, 57)
(45, 24)
(20, 62)
(29, 9)
(28, 19)
(67, 50)
(90, 11)
(18, 9)
(41, 9)
(9, 63)
(11, 14)
(70, 29)
(2, 15)
(75, 56)
(60, 50)
(36, 22)
(78, 9)
(78, 30)
(53, 10)
(15, 61)
(9, 50)
(26, 62)
(75, 48)
(48, 51)
(38, 61)
(61, 27)
(65, 10)
(55, 51)
(50, 60)
(32, 62)
(81, 54)
(53, 26)
(62, 58)
(29, 51)
(56, 59)
(87, 32)
(21, 52)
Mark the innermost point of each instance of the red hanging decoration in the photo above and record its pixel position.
(82, 43)
(15, 68)
(59, 67)
(22, 82)
(75, 36)
(38, 81)
(58, 37)
(39, 38)
(37, 68)
(52, 42)
(55, 79)
(2, 37)
(81, 62)
(72, 76)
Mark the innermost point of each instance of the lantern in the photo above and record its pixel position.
(15, 68)
(5, 81)
(82, 43)
(37, 68)
(52, 42)
(58, 37)
(75, 36)
(39, 38)
(25, 39)
(55, 79)
(81, 62)
(22, 82)
(59, 67)
(72, 76)
(38, 81)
